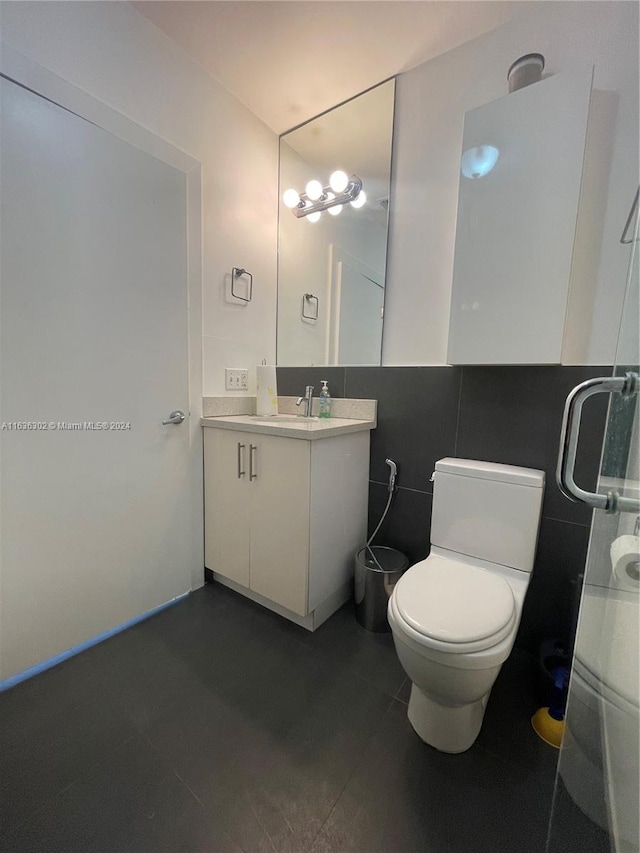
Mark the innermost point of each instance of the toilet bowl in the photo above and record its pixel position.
(450, 647)
(454, 616)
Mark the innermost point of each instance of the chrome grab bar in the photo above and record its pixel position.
(612, 502)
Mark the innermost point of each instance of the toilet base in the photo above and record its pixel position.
(449, 729)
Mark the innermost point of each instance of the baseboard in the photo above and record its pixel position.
(80, 647)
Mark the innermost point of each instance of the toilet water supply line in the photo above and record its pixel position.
(393, 472)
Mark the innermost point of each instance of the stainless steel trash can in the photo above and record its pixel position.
(377, 571)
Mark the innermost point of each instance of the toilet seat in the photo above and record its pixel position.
(454, 607)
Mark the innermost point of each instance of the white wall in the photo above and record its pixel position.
(119, 57)
(430, 104)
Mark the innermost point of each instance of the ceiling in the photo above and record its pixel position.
(354, 137)
(291, 60)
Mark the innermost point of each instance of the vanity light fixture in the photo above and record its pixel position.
(341, 190)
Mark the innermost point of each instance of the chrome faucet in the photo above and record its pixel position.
(307, 400)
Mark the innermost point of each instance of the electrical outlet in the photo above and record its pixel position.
(236, 378)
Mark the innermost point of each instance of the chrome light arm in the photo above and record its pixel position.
(612, 502)
(328, 198)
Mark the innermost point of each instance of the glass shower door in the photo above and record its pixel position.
(596, 799)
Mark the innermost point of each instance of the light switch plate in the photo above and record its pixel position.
(236, 378)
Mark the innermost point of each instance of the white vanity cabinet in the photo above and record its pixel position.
(284, 517)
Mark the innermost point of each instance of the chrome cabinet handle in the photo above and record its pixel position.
(612, 502)
(241, 471)
(176, 417)
(252, 450)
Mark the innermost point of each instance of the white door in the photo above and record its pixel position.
(361, 301)
(357, 300)
(94, 355)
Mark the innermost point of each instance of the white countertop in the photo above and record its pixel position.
(304, 429)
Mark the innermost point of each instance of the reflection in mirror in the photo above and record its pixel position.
(479, 161)
(334, 201)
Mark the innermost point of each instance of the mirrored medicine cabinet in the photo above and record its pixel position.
(520, 182)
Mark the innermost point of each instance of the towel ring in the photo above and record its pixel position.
(309, 297)
(238, 272)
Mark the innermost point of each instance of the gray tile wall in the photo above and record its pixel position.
(497, 414)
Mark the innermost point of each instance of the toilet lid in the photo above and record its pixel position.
(453, 602)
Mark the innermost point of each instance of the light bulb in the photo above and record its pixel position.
(314, 190)
(335, 210)
(359, 200)
(291, 198)
(479, 161)
(339, 181)
(313, 217)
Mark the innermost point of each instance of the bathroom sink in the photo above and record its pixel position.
(277, 419)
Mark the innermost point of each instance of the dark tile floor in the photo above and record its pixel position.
(218, 726)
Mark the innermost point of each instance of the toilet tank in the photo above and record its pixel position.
(487, 510)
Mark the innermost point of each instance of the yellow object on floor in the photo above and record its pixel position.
(547, 728)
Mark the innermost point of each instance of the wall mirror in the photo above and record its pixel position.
(332, 240)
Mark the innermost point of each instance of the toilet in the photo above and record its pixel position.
(454, 616)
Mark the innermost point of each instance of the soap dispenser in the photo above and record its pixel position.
(325, 401)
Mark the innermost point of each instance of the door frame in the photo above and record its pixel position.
(24, 72)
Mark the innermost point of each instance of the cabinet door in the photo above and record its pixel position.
(516, 223)
(226, 503)
(280, 520)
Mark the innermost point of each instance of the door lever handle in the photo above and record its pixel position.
(176, 417)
